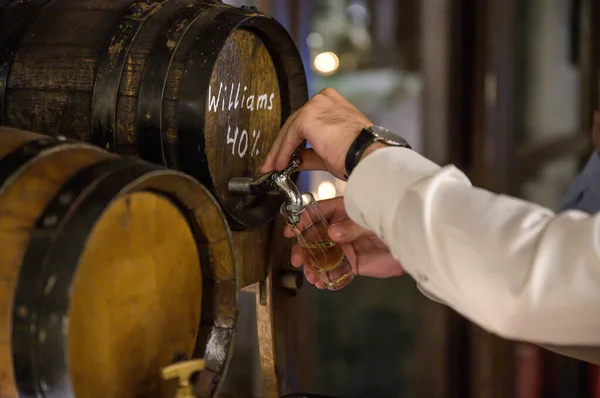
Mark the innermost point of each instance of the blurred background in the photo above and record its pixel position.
(505, 90)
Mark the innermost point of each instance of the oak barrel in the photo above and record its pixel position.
(199, 86)
(110, 269)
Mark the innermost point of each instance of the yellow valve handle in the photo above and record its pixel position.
(183, 370)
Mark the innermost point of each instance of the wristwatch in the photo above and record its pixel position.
(367, 137)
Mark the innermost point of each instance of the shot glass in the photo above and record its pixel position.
(323, 255)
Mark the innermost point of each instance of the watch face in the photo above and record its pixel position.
(388, 136)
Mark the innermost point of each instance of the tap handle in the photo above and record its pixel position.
(183, 371)
(294, 165)
(263, 183)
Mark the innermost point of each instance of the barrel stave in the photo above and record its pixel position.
(143, 42)
(170, 20)
(51, 78)
(171, 127)
(73, 69)
(57, 113)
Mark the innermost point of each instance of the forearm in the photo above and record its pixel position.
(511, 266)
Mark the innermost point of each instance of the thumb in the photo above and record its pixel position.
(346, 231)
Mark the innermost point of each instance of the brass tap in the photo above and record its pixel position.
(183, 370)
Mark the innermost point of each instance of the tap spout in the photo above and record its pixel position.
(272, 183)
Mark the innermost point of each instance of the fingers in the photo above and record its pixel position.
(333, 209)
(287, 232)
(328, 122)
(334, 206)
(298, 256)
(299, 260)
(292, 132)
(297, 131)
(313, 277)
(311, 160)
(333, 94)
(291, 139)
(269, 163)
(346, 231)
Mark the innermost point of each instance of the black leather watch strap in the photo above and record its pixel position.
(364, 139)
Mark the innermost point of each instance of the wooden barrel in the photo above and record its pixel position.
(110, 269)
(199, 86)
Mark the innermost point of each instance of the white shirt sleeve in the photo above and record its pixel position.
(513, 267)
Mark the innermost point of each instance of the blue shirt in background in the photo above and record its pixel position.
(584, 192)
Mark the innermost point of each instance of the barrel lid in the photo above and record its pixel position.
(135, 300)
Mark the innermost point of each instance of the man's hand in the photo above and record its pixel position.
(367, 254)
(329, 123)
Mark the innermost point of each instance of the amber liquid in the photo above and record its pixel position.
(324, 256)
(329, 260)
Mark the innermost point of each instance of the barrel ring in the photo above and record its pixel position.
(149, 128)
(110, 69)
(12, 162)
